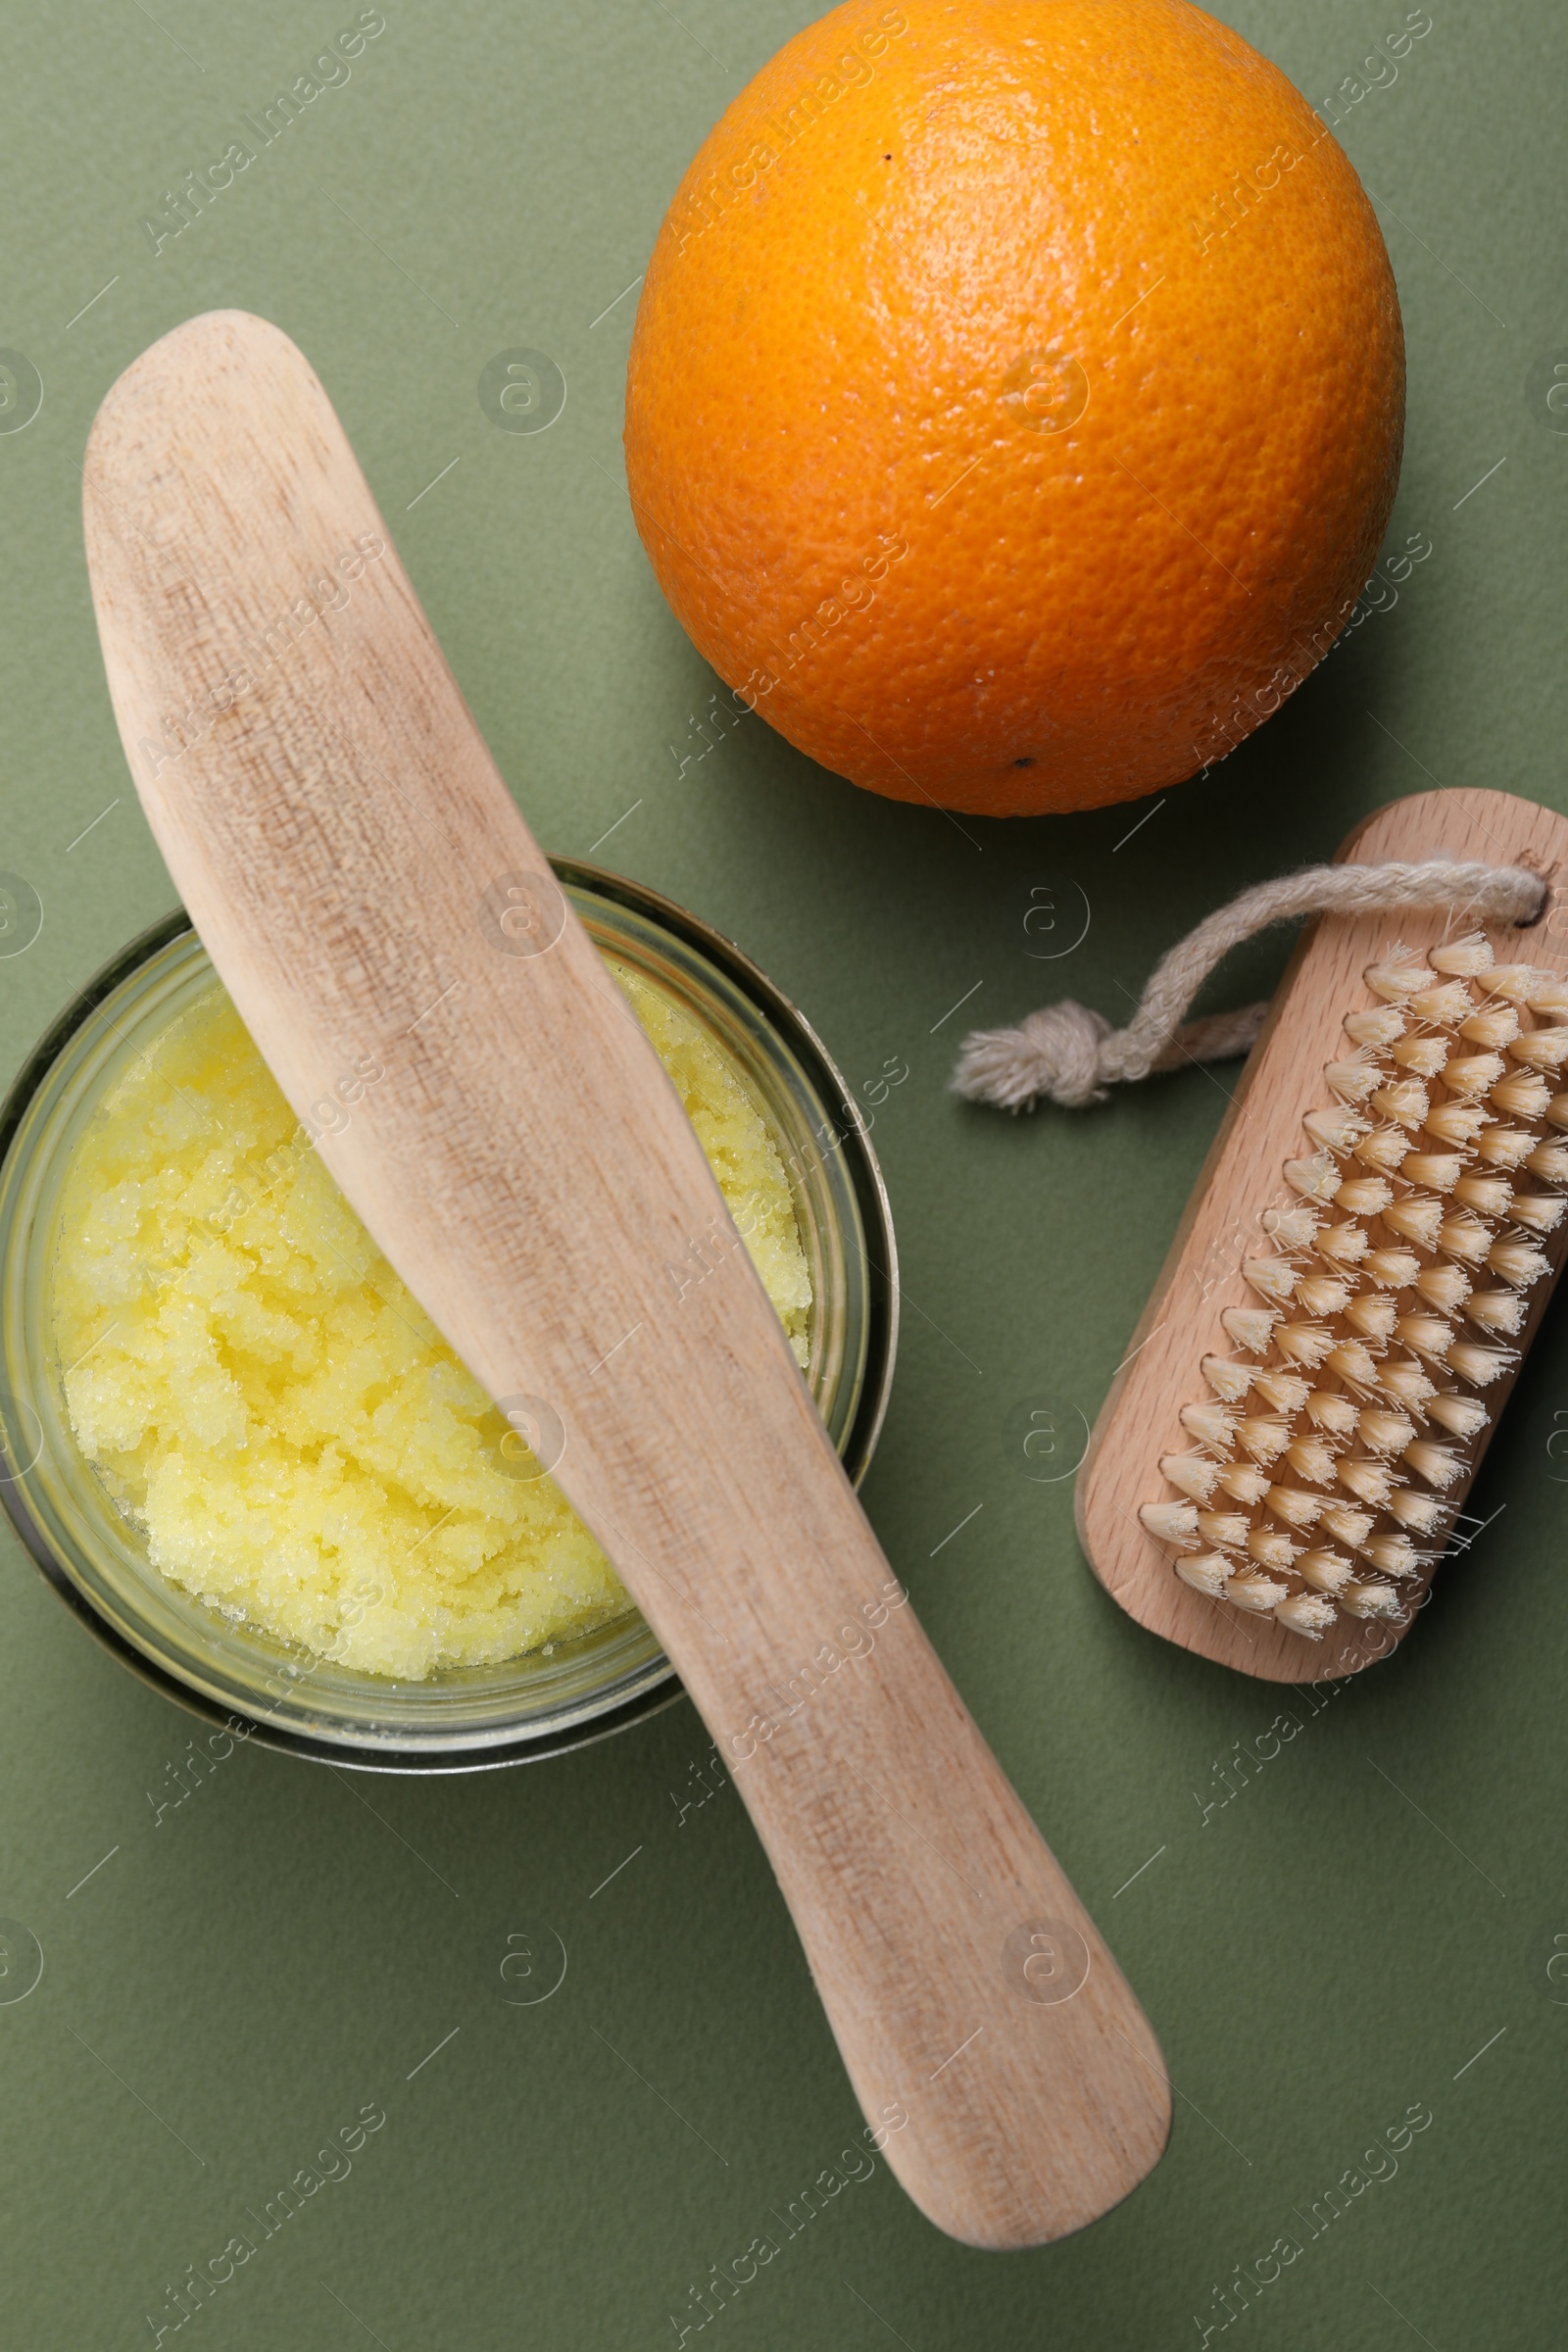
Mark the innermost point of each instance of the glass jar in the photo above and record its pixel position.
(466, 1719)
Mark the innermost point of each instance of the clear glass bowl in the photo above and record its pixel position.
(469, 1718)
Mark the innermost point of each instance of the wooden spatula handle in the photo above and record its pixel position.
(366, 887)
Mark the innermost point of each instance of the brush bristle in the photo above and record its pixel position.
(1378, 1027)
(1208, 1574)
(1229, 1381)
(1464, 1238)
(1368, 1481)
(1496, 1025)
(1346, 1243)
(1513, 982)
(1398, 983)
(1443, 1286)
(1463, 958)
(1364, 1196)
(1195, 1475)
(1252, 1591)
(1306, 1343)
(1390, 1269)
(1312, 1460)
(1272, 1278)
(1463, 1417)
(1518, 1262)
(1541, 1049)
(1370, 1600)
(1282, 1392)
(1423, 1055)
(1472, 1073)
(1415, 1218)
(1505, 1147)
(1249, 1327)
(1294, 1507)
(1331, 1410)
(1382, 1431)
(1525, 1094)
(1264, 1436)
(1353, 1081)
(1305, 1613)
(1438, 1465)
(1324, 1571)
(1404, 1257)
(1292, 1228)
(1445, 1007)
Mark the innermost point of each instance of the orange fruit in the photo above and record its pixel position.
(1016, 395)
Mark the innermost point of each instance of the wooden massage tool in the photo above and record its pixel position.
(530, 1172)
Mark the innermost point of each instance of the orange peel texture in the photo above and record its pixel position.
(1016, 397)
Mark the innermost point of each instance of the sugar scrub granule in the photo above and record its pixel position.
(739, 1149)
(273, 1411)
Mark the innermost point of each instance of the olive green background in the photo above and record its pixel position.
(1377, 1901)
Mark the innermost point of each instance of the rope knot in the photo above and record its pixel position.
(1056, 1051)
(1072, 1055)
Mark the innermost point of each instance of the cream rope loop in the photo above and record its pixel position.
(1072, 1055)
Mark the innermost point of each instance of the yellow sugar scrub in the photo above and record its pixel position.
(277, 1417)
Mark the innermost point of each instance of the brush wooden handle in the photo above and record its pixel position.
(1202, 1275)
(366, 886)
